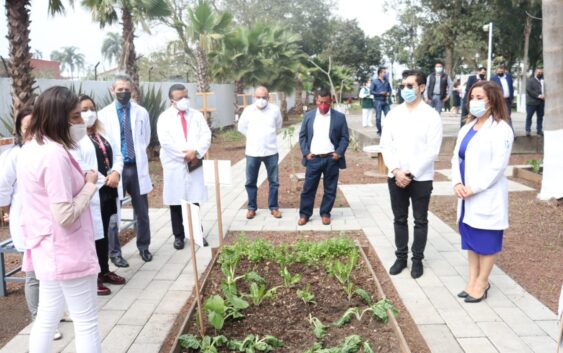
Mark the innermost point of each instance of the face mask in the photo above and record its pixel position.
(408, 94)
(324, 108)
(539, 76)
(123, 97)
(477, 108)
(89, 117)
(500, 74)
(183, 104)
(77, 132)
(482, 77)
(261, 103)
(439, 69)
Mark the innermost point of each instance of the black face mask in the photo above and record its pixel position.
(539, 76)
(482, 77)
(123, 97)
(500, 74)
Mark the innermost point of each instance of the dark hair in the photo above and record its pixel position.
(381, 69)
(481, 68)
(84, 97)
(497, 104)
(175, 87)
(50, 116)
(420, 79)
(25, 111)
(323, 92)
(439, 62)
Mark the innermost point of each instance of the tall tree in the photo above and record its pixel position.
(111, 47)
(553, 140)
(69, 58)
(129, 13)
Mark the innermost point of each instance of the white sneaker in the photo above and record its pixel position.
(57, 336)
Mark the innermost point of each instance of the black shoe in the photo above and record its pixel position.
(119, 261)
(178, 244)
(462, 294)
(528, 134)
(146, 255)
(205, 243)
(416, 269)
(470, 299)
(540, 133)
(398, 267)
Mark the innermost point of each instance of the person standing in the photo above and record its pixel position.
(504, 80)
(323, 140)
(260, 122)
(366, 101)
(480, 157)
(57, 232)
(480, 75)
(410, 143)
(535, 101)
(381, 91)
(184, 138)
(128, 124)
(457, 91)
(438, 87)
(96, 152)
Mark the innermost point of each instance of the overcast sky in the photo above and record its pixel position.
(77, 29)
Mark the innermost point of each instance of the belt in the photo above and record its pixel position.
(323, 155)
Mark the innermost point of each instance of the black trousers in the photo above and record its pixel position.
(419, 193)
(140, 205)
(178, 221)
(108, 208)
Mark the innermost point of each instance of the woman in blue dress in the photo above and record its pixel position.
(480, 158)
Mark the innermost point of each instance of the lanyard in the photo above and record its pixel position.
(102, 148)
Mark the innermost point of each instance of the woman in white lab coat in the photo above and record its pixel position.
(480, 158)
(96, 152)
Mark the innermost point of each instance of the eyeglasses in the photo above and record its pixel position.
(258, 97)
(408, 85)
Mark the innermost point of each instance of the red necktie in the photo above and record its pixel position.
(184, 124)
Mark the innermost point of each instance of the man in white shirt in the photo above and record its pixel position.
(260, 122)
(411, 142)
(184, 138)
(323, 140)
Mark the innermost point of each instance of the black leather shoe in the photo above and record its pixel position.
(398, 267)
(119, 261)
(178, 244)
(416, 269)
(470, 299)
(462, 294)
(146, 255)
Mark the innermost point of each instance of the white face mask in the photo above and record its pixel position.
(89, 117)
(261, 103)
(77, 132)
(183, 104)
(439, 69)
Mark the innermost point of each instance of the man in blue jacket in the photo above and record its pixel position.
(380, 89)
(323, 140)
(504, 80)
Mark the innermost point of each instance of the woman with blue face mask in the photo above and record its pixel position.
(480, 157)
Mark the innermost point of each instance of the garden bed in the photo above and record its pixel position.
(527, 173)
(306, 287)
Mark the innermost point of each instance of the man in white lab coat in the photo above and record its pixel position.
(128, 125)
(184, 140)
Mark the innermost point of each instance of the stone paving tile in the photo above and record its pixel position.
(144, 348)
(460, 324)
(477, 345)
(504, 339)
(16, 344)
(481, 312)
(440, 339)
(540, 344)
(139, 312)
(184, 282)
(172, 302)
(532, 307)
(519, 322)
(551, 327)
(442, 298)
(120, 338)
(123, 299)
(156, 329)
(155, 290)
(140, 280)
(107, 320)
(170, 272)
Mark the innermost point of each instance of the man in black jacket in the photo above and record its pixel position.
(480, 75)
(535, 101)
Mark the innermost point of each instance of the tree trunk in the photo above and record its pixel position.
(298, 95)
(202, 71)
(128, 56)
(20, 70)
(449, 60)
(527, 30)
(552, 30)
(283, 106)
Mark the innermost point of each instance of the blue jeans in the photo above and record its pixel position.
(380, 106)
(437, 103)
(252, 169)
(530, 110)
(328, 168)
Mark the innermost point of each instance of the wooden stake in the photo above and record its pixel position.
(205, 110)
(218, 202)
(244, 100)
(194, 265)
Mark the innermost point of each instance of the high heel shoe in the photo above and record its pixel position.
(462, 294)
(470, 299)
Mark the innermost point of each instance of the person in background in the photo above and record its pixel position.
(128, 125)
(438, 87)
(96, 152)
(504, 80)
(380, 89)
(260, 122)
(57, 232)
(480, 75)
(535, 101)
(457, 91)
(184, 138)
(410, 143)
(366, 101)
(481, 154)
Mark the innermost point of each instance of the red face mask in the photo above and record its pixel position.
(323, 108)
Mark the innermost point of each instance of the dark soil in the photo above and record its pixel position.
(286, 317)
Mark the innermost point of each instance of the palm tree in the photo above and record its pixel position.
(69, 58)
(111, 47)
(552, 187)
(133, 12)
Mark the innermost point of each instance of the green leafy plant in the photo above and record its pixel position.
(379, 310)
(351, 344)
(251, 344)
(289, 280)
(367, 348)
(206, 345)
(536, 165)
(8, 124)
(348, 315)
(258, 293)
(235, 306)
(319, 329)
(306, 295)
(364, 295)
(342, 272)
(216, 311)
(152, 100)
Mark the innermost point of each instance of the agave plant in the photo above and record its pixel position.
(155, 104)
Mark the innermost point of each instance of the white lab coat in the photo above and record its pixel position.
(179, 184)
(86, 157)
(486, 158)
(141, 128)
(9, 193)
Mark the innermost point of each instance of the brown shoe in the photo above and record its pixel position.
(113, 278)
(250, 214)
(302, 221)
(326, 220)
(276, 213)
(102, 290)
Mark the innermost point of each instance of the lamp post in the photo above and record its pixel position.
(489, 27)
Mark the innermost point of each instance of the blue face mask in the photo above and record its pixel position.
(477, 108)
(408, 94)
